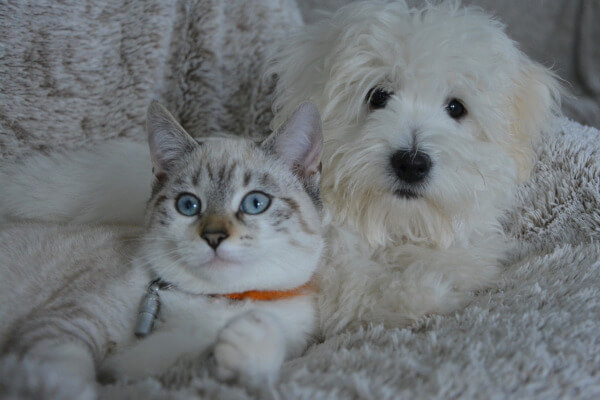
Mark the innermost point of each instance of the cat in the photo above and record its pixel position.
(232, 237)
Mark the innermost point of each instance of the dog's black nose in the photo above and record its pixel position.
(214, 238)
(411, 166)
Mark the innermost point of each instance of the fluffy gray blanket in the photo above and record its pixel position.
(77, 72)
(74, 73)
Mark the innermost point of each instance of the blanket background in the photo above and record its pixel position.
(74, 73)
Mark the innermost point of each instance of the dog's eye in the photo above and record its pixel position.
(456, 109)
(378, 98)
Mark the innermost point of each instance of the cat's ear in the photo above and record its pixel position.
(168, 141)
(299, 141)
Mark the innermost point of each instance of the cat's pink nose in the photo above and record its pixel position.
(214, 238)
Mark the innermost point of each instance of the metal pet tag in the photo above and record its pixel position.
(148, 311)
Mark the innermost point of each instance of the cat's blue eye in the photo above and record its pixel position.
(188, 204)
(255, 203)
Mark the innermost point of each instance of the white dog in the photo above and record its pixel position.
(429, 115)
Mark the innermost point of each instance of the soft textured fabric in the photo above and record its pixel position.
(83, 72)
(77, 72)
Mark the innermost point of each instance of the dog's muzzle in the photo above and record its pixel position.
(411, 167)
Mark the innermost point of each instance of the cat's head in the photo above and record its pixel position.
(229, 215)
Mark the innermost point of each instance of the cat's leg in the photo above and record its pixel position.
(50, 370)
(251, 349)
(154, 354)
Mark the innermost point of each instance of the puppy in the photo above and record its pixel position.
(430, 119)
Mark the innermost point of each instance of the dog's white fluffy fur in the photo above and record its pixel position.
(393, 259)
(390, 259)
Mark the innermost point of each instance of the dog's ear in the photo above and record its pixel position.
(535, 102)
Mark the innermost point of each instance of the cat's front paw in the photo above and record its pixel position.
(251, 349)
(29, 380)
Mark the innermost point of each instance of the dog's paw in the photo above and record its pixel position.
(27, 379)
(250, 349)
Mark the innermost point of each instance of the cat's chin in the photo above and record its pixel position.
(221, 259)
(220, 263)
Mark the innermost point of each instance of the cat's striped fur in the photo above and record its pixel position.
(69, 295)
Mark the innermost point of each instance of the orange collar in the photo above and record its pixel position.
(150, 304)
(269, 295)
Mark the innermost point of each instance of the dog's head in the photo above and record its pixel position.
(430, 116)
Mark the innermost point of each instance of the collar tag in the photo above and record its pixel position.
(149, 308)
